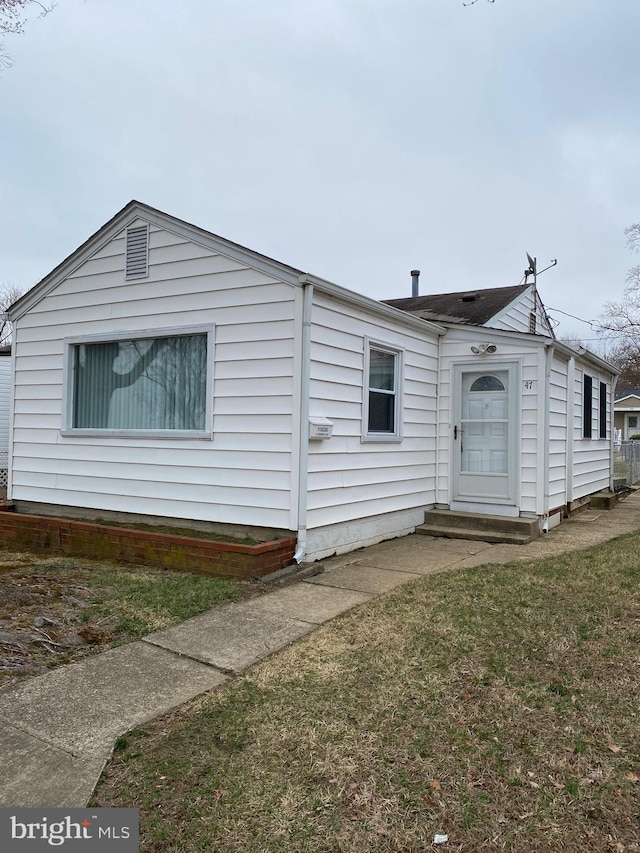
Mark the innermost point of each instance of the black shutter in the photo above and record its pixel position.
(587, 406)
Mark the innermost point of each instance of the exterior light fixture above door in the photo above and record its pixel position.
(484, 349)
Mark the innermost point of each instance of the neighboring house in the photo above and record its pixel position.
(165, 372)
(627, 412)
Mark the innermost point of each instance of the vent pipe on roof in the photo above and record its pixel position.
(415, 286)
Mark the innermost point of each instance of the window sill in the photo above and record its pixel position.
(389, 439)
(137, 433)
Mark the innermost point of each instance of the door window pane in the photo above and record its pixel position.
(487, 383)
(484, 424)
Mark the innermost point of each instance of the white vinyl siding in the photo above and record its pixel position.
(558, 434)
(244, 475)
(591, 456)
(349, 479)
(521, 314)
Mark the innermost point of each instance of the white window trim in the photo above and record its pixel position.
(136, 334)
(396, 436)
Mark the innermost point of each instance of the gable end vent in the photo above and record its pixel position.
(137, 252)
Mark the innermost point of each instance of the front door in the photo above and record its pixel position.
(484, 434)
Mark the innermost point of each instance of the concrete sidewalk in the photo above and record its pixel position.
(57, 730)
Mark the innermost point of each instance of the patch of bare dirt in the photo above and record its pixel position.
(45, 621)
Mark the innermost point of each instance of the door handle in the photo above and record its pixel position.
(455, 433)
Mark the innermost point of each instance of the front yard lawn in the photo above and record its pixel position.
(499, 706)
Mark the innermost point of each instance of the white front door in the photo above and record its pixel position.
(484, 433)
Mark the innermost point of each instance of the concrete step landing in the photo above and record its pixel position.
(605, 499)
(475, 525)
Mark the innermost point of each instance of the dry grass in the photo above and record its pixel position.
(55, 610)
(500, 706)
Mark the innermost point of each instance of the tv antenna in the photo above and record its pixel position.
(533, 271)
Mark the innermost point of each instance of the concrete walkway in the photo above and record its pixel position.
(57, 730)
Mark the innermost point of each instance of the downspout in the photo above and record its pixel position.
(548, 358)
(305, 383)
(571, 438)
(438, 427)
(612, 421)
(12, 405)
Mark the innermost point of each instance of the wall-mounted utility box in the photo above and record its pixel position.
(320, 428)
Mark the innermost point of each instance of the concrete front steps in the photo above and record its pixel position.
(474, 525)
(606, 499)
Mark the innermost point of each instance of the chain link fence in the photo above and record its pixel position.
(626, 463)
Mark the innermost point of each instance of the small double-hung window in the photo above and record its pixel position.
(382, 394)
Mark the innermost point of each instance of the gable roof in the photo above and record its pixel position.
(129, 213)
(474, 307)
(135, 210)
(623, 393)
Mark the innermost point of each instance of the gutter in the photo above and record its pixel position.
(305, 383)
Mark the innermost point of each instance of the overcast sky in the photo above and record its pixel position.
(354, 139)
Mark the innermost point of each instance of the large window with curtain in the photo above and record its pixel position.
(141, 384)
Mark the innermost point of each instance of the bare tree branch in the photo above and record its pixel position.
(622, 317)
(9, 293)
(632, 233)
(12, 14)
(13, 18)
(626, 357)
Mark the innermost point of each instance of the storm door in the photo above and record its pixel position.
(484, 434)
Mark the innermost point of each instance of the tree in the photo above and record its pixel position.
(626, 357)
(13, 17)
(9, 293)
(622, 318)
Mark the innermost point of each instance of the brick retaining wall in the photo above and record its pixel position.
(182, 553)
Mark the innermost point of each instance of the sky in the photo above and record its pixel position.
(353, 139)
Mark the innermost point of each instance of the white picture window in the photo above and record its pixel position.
(152, 384)
(382, 394)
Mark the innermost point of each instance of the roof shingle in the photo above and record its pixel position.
(474, 307)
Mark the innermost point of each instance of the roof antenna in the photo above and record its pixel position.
(535, 272)
(533, 268)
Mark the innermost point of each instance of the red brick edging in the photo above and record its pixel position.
(182, 553)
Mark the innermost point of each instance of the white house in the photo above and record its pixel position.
(165, 372)
(627, 412)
